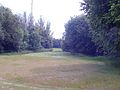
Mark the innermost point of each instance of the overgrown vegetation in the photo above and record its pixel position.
(77, 38)
(104, 18)
(97, 32)
(19, 32)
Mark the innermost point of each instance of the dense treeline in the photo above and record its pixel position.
(99, 32)
(19, 32)
(57, 43)
(76, 38)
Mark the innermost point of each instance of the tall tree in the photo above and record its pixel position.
(104, 16)
(77, 37)
(22, 33)
(46, 37)
(10, 27)
(34, 41)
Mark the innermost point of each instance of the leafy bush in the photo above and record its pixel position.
(77, 38)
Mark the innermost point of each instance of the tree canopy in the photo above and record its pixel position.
(97, 32)
(19, 32)
(104, 17)
(76, 38)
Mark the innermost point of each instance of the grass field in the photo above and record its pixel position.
(56, 70)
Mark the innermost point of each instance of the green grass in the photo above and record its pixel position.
(104, 77)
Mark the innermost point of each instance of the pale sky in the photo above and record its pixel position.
(58, 12)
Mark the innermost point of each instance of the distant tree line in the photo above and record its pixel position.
(20, 32)
(57, 43)
(97, 32)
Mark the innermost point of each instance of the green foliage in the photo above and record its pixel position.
(33, 35)
(39, 35)
(11, 34)
(57, 43)
(104, 17)
(77, 37)
(19, 33)
(47, 36)
(113, 16)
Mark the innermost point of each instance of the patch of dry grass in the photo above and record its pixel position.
(57, 71)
